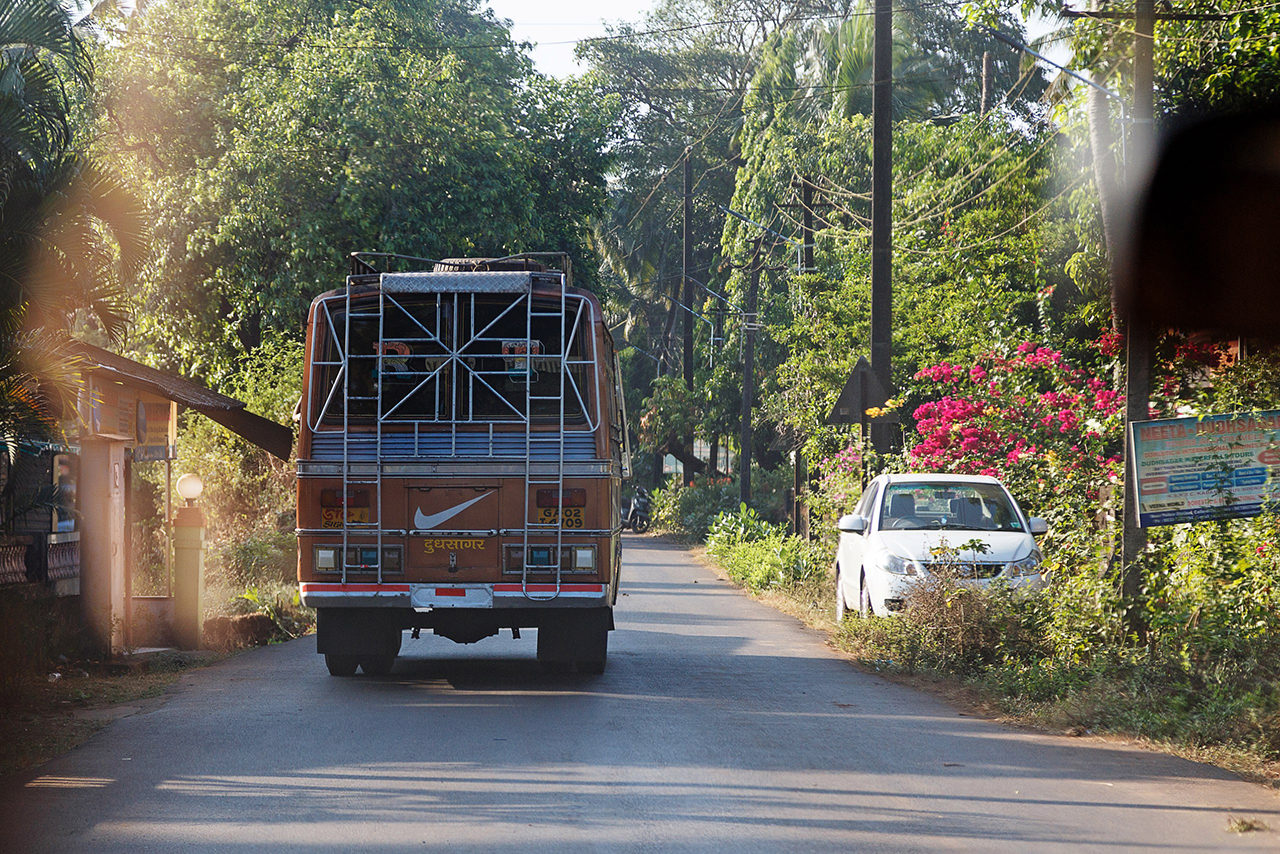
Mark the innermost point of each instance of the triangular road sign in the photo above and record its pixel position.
(862, 392)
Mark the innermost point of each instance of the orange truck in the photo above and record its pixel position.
(462, 445)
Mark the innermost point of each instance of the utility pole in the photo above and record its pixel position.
(882, 209)
(688, 288)
(1137, 381)
(806, 218)
(988, 75)
(799, 512)
(800, 481)
(750, 323)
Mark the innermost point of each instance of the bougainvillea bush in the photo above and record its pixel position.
(1051, 431)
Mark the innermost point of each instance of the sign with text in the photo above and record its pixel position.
(1216, 467)
(115, 410)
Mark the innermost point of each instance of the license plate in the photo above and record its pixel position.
(331, 517)
(549, 515)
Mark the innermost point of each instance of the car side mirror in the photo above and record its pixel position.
(852, 524)
(1037, 525)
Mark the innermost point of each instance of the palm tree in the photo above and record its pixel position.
(839, 72)
(40, 54)
(70, 236)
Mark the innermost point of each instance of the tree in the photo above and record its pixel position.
(69, 236)
(41, 57)
(937, 56)
(273, 137)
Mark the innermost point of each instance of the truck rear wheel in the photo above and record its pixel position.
(380, 665)
(578, 640)
(341, 665)
(594, 667)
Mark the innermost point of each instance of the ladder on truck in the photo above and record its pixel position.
(368, 475)
(544, 450)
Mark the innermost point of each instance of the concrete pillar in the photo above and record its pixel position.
(188, 577)
(100, 496)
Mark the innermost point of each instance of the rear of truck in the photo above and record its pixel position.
(460, 457)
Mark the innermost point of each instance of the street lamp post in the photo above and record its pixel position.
(188, 565)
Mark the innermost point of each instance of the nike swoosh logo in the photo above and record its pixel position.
(424, 522)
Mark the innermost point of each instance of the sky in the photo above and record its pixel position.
(554, 24)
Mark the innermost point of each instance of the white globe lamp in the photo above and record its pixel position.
(189, 487)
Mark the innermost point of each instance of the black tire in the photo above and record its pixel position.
(640, 525)
(598, 643)
(380, 665)
(341, 665)
(864, 600)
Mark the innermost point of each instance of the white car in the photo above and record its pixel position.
(906, 524)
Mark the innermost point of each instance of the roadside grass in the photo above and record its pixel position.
(43, 719)
(987, 664)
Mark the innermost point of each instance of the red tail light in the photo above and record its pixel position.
(568, 498)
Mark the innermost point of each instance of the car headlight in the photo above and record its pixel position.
(897, 565)
(1029, 565)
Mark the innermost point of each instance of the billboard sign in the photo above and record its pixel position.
(1215, 467)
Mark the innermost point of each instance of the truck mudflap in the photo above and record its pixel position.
(503, 594)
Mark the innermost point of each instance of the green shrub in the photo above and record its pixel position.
(1209, 673)
(282, 604)
(262, 559)
(729, 529)
(688, 511)
(247, 491)
(775, 561)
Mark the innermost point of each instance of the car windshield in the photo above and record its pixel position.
(949, 506)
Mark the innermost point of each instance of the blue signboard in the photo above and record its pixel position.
(1216, 467)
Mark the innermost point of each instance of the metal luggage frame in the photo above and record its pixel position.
(454, 288)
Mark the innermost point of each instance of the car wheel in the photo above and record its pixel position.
(341, 665)
(864, 600)
(377, 665)
(841, 610)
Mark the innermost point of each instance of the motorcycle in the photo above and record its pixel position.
(636, 516)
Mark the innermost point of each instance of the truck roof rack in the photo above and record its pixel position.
(367, 263)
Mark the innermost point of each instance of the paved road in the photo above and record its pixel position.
(719, 726)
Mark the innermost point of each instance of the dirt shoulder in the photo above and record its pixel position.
(55, 712)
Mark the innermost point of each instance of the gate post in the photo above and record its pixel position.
(102, 554)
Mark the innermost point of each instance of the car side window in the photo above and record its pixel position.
(867, 502)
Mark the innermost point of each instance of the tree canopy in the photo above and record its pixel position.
(275, 137)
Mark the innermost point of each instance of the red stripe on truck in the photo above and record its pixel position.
(314, 587)
(549, 588)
